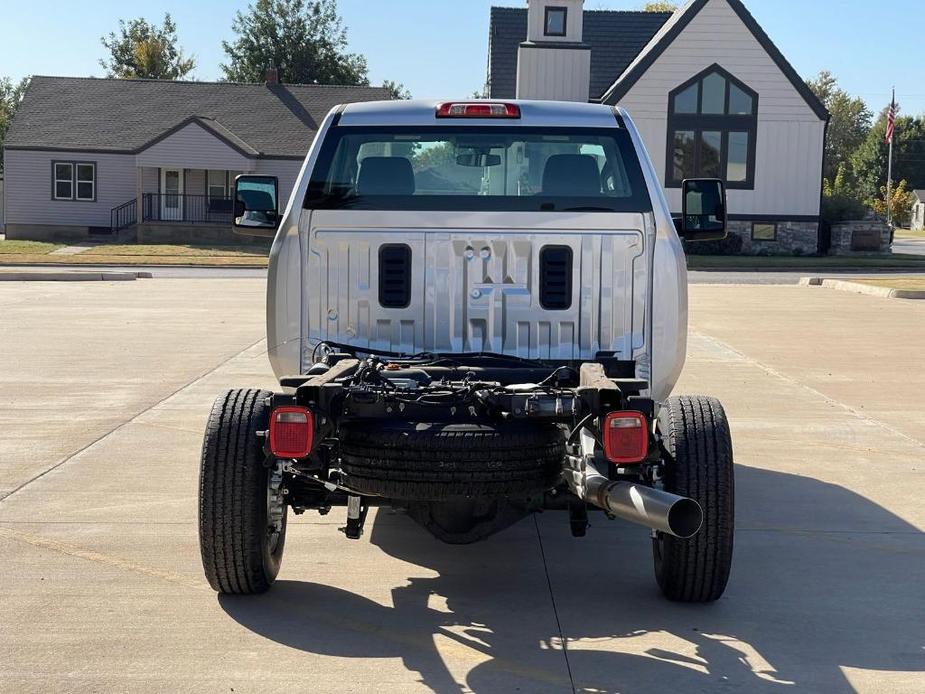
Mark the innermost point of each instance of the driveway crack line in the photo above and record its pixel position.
(555, 609)
(135, 418)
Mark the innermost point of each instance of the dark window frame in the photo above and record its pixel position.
(227, 187)
(549, 10)
(74, 164)
(725, 124)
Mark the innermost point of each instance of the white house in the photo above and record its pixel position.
(709, 91)
(918, 211)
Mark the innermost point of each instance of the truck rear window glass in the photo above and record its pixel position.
(478, 169)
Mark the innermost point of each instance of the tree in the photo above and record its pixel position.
(903, 200)
(840, 201)
(850, 123)
(10, 95)
(397, 90)
(148, 51)
(660, 7)
(305, 40)
(869, 162)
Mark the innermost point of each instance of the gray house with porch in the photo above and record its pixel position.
(152, 159)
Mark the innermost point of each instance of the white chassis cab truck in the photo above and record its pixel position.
(476, 311)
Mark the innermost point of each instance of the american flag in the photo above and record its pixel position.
(891, 121)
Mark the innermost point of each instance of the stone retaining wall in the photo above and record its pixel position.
(866, 237)
(797, 238)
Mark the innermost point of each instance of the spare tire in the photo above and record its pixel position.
(429, 462)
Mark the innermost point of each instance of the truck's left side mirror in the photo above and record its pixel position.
(256, 205)
(703, 210)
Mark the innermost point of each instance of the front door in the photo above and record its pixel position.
(172, 195)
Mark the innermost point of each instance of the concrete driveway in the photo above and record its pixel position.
(104, 390)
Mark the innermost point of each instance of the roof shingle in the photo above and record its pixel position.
(75, 113)
(615, 37)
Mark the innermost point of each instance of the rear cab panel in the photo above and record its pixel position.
(480, 265)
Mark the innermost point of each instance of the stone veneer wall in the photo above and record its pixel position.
(843, 234)
(792, 238)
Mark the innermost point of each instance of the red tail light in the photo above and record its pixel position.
(292, 432)
(626, 437)
(478, 109)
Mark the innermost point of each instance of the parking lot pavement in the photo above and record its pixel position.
(80, 359)
(108, 387)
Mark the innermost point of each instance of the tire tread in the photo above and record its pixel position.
(700, 466)
(231, 485)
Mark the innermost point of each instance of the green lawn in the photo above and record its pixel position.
(916, 283)
(909, 234)
(178, 250)
(808, 263)
(32, 247)
(37, 253)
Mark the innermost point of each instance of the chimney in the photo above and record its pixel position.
(554, 62)
(272, 76)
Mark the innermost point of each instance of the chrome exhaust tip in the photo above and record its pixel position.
(656, 509)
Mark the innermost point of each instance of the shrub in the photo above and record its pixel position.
(840, 200)
(841, 208)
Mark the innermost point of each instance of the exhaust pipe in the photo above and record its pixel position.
(653, 508)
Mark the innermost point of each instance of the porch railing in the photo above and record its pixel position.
(125, 215)
(191, 209)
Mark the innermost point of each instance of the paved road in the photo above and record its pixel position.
(104, 389)
(156, 270)
(911, 246)
(247, 273)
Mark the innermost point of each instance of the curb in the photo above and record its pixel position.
(70, 276)
(859, 288)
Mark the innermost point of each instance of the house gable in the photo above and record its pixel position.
(786, 148)
(198, 143)
(710, 33)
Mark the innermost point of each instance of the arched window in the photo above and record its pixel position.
(712, 126)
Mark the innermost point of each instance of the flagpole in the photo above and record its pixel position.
(889, 174)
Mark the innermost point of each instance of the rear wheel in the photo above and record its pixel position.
(698, 465)
(242, 516)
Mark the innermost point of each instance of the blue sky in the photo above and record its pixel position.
(438, 47)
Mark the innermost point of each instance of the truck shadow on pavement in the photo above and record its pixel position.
(823, 579)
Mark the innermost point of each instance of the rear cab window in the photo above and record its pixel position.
(472, 168)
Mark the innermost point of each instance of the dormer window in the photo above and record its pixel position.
(712, 128)
(556, 21)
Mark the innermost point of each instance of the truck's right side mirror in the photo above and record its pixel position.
(256, 206)
(703, 210)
